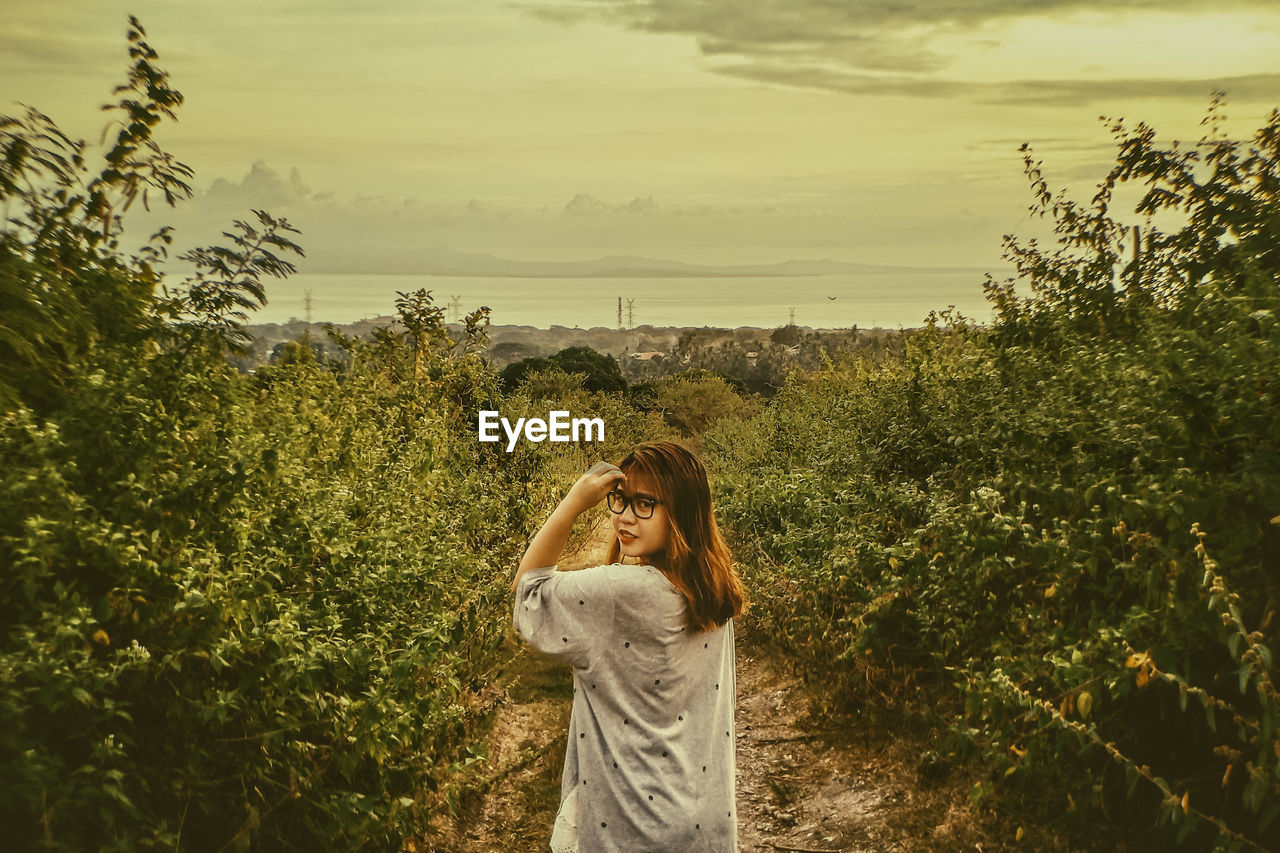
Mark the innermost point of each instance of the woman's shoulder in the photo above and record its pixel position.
(625, 576)
(632, 586)
(641, 583)
(599, 576)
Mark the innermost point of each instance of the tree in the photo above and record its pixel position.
(65, 287)
(694, 403)
(71, 296)
(516, 372)
(1226, 193)
(600, 372)
(786, 336)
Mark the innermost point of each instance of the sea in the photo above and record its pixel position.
(866, 300)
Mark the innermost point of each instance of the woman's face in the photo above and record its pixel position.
(643, 538)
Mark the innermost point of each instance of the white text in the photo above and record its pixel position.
(558, 426)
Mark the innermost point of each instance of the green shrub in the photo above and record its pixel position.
(235, 611)
(1003, 527)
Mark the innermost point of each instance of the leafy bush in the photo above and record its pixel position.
(693, 403)
(1059, 535)
(235, 611)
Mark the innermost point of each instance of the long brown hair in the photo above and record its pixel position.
(697, 559)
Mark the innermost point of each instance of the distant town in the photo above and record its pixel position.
(757, 358)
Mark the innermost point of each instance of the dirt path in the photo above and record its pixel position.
(803, 787)
(808, 781)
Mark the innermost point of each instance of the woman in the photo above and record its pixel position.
(649, 764)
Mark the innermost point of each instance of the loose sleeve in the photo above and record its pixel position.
(568, 615)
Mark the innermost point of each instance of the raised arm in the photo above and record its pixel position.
(545, 547)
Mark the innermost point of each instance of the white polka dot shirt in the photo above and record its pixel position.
(651, 739)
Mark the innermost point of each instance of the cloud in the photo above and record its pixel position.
(891, 47)
(639, 205)
(22, 52)
(263, 187)
(1249, 88)
(585, 204)
(347, 235)
(819, 21)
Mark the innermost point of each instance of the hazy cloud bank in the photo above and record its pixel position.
(386, 234)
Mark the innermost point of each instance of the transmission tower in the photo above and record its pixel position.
(631, 318)
(306, 300)
(620, 326)
(792, 320)
(456, 304)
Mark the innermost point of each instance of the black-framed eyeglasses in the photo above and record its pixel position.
(641, 505)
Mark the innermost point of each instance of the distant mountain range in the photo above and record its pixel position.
(449, 262)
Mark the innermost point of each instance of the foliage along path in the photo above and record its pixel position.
(810, 779)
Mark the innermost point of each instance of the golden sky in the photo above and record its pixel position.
(881, 131)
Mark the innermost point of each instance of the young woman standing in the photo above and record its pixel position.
(649, 764)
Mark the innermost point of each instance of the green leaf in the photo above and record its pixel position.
(1268, 814)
